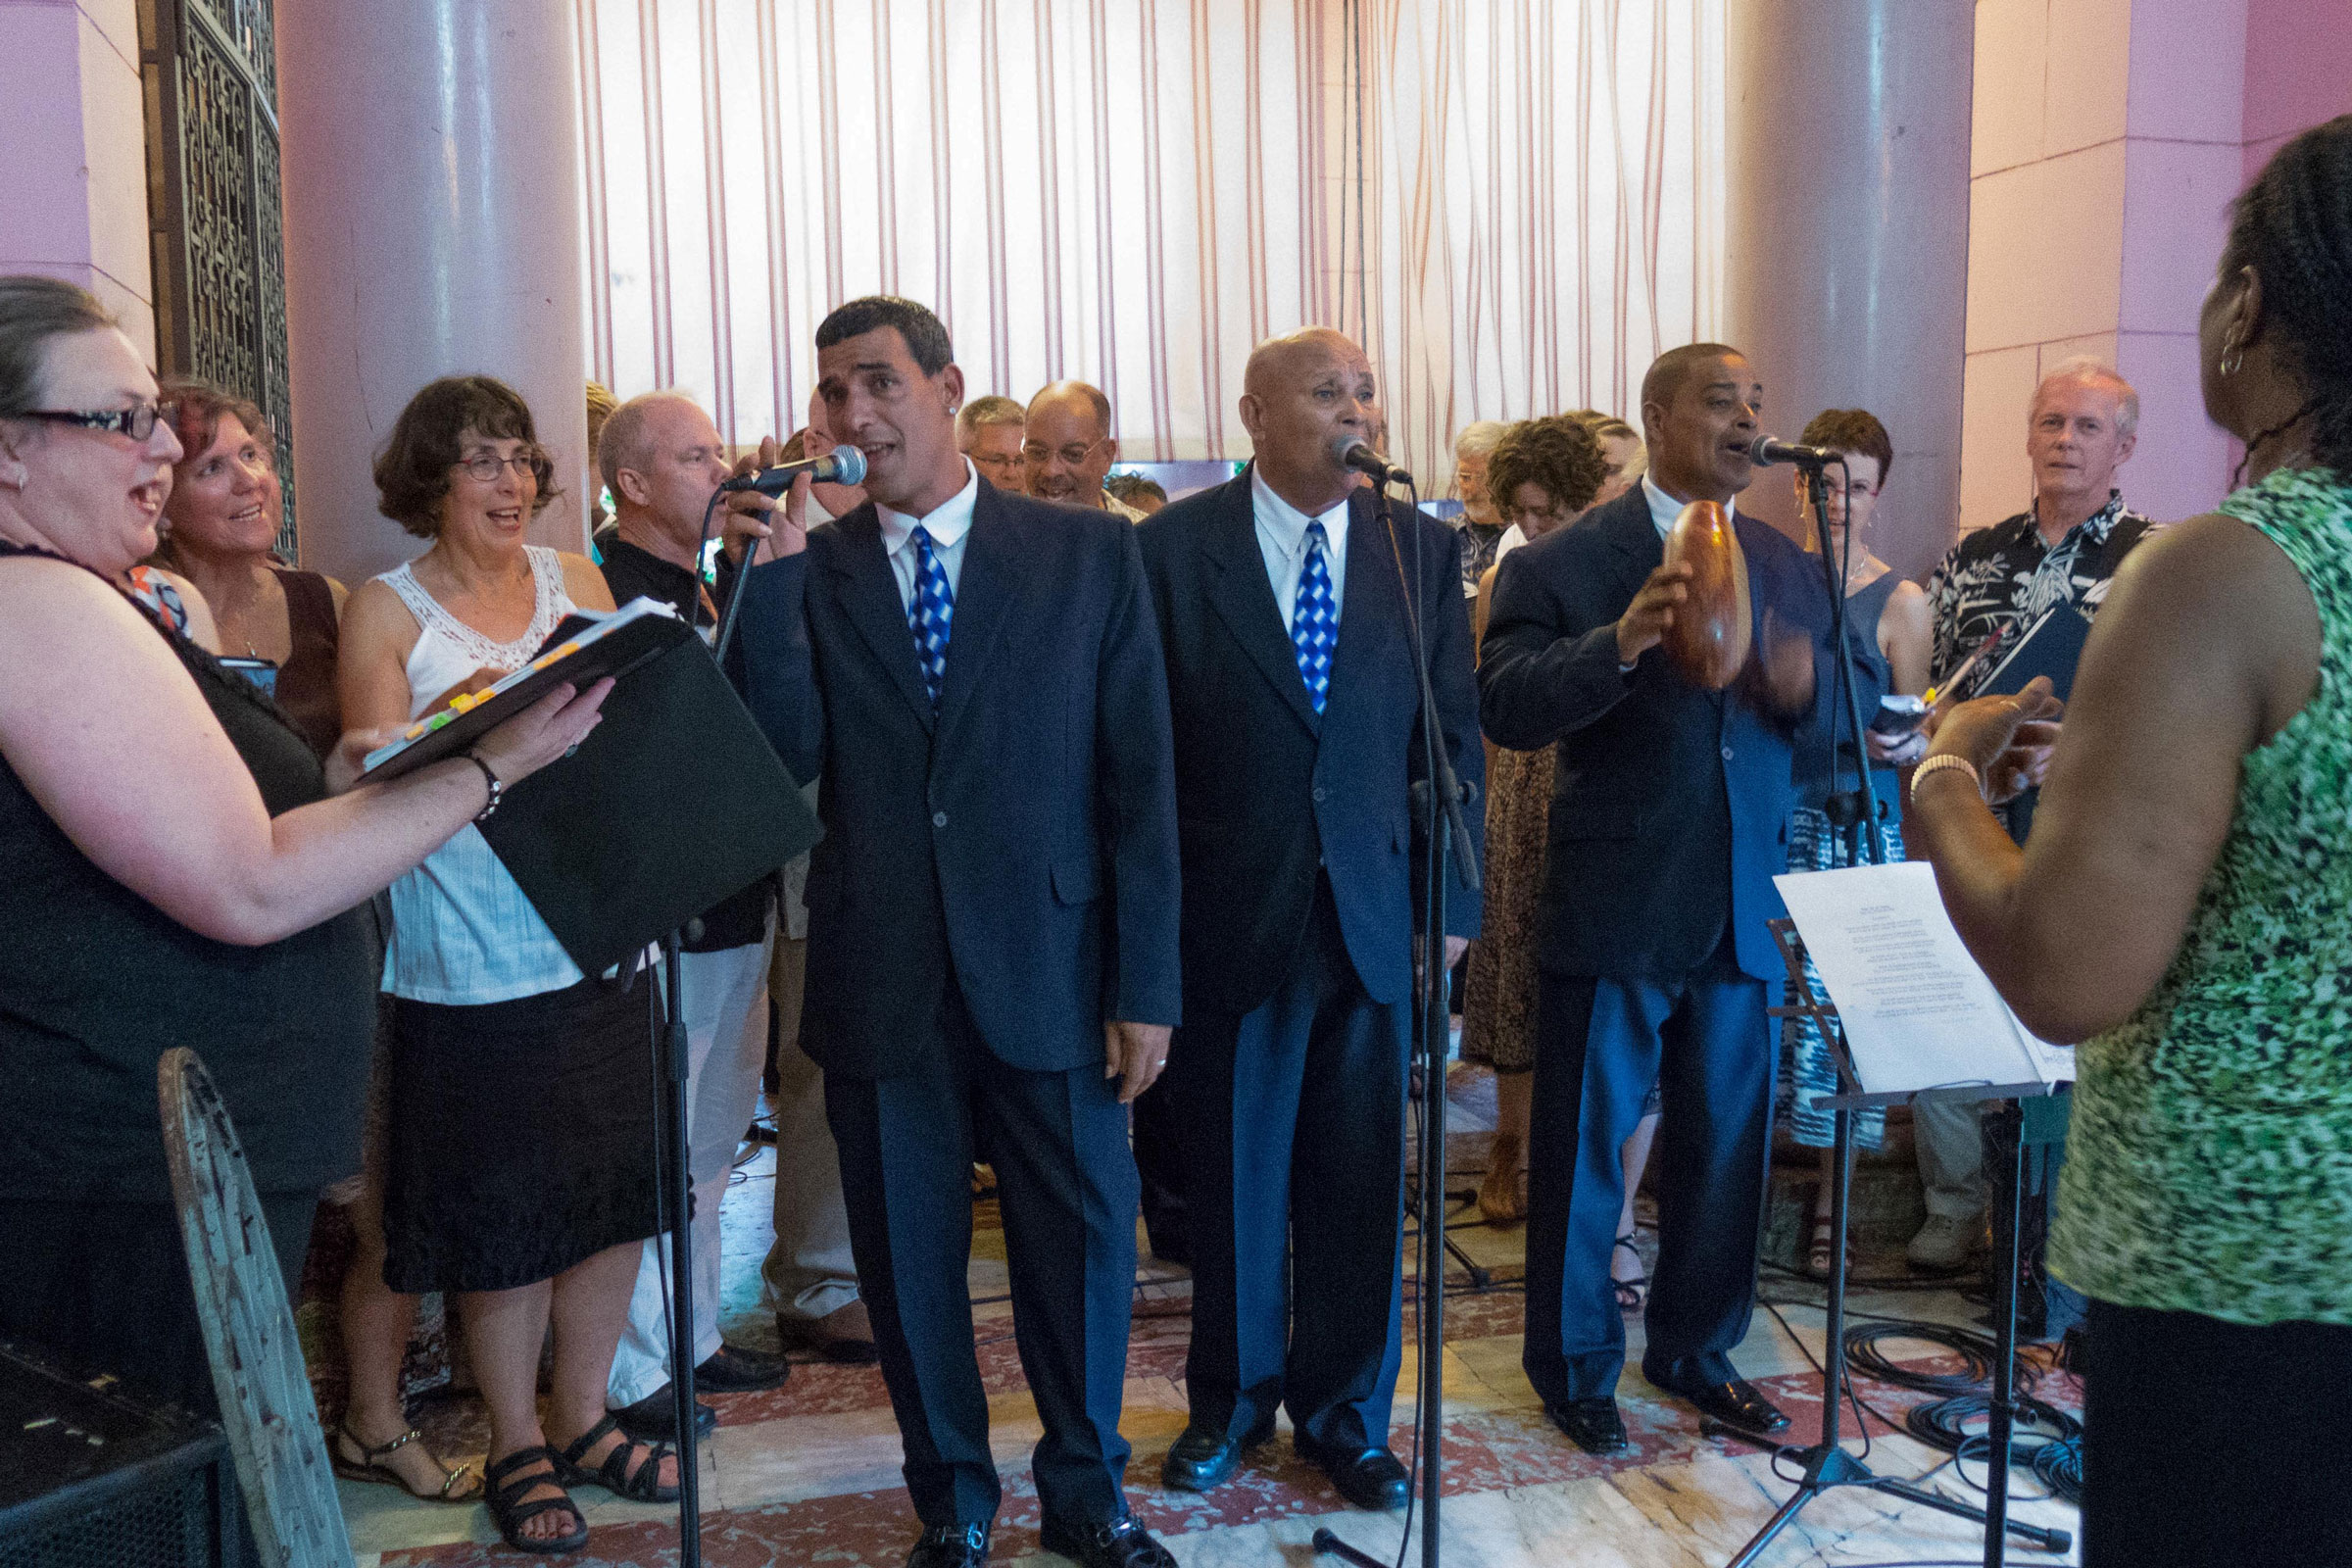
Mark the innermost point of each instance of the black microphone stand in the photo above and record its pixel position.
(1826, 1464)
(1439, 798)
(671, 1057)
(673, 1053)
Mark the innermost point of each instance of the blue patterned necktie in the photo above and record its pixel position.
(928, 614)
(1314, 620)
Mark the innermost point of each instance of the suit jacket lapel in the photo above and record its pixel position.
(869, 597)
(989, 586)
(1635, 535)
(1369, 607)
(1236, 586)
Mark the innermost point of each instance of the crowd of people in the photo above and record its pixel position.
(1115, 898)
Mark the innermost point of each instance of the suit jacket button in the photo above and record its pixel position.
(1727, 753)
(1319, 794)
(940, 819)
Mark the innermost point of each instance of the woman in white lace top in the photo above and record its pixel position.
(518, 1170)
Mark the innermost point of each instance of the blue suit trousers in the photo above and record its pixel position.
(1703, 1039)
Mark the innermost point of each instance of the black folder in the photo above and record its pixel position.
(2052, 646)
(675, 802)
(622, 641)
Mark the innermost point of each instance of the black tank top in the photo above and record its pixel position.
(1874, 678)
(96, 982)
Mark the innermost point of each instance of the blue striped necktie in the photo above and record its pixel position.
(928, 614)
(1314, 620)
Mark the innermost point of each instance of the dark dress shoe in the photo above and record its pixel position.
(655, 1418)
(950, 1546)
(843, 1336)
(1593, 1425)
(732, 1369)
(1717, 1391)
(1118, 1543)
(1369, 1478)
(1202, 1458)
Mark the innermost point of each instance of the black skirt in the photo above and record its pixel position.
(521, 1137)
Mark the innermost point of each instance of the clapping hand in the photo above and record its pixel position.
(2008, 740)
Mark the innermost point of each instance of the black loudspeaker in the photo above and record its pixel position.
(92, 1479)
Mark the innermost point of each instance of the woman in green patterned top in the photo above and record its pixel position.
(2184, 909)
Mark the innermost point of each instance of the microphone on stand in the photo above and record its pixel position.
(1352, 452)
(841, 466)
(1769, 450)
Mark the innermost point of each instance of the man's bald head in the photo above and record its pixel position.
(1300, 353)
(1303, 397)
(637, 428)
(1066, 444)
(661, 457)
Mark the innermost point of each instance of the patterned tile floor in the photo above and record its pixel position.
(808, 1474)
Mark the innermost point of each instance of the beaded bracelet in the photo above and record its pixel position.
(1946, 761)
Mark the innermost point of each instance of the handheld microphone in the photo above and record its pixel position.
(1352, 452)
(841, 466)
(1769, 450)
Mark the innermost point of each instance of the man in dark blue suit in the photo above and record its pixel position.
(1283, 608)
(1666, 830)
(975, 677)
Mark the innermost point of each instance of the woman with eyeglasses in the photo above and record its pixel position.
(182, 871)
(1889, 627)
(520, 1168)
(220, 532)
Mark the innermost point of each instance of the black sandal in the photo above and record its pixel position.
(367, 1467)
(1633, 1294)
(509, 1512)
(640, 1484)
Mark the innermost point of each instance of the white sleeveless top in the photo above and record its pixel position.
(463, 933)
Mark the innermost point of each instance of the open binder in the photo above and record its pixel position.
(673, 803)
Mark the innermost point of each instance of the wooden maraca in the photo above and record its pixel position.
(1710, 637)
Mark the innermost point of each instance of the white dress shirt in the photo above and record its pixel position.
(1282, 540)
(1664, 509)
(949, 524)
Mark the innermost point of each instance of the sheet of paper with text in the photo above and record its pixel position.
(1918, 1011)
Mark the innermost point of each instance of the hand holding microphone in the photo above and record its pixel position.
(759, 479)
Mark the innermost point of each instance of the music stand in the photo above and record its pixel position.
(1827, 1464)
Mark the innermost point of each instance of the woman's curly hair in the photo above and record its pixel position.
(412, 473)
(1558, 454)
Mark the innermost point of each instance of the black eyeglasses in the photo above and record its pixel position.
(137, 422)
(487, 466)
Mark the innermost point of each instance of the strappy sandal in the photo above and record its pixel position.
(1634, 1293)
(1819, 1255)
(640, 1484)
(369, 1468)
(511, 1513)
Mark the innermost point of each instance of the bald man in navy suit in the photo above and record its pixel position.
(1667, 827)
(1293, 606)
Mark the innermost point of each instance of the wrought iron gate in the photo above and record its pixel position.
(214, 206)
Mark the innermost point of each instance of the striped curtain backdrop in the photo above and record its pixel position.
(1514, 204)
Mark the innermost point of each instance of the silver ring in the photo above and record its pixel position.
(573, 749)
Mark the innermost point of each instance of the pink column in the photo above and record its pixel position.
(1847, 196)
(72, 121)
(432, 229)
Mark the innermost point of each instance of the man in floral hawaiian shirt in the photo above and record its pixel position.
(2062, 550)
